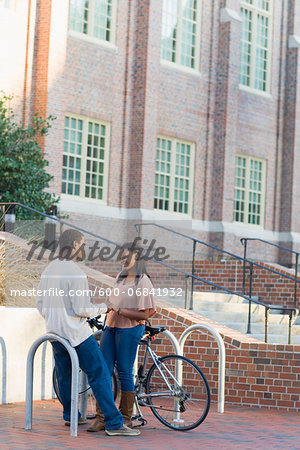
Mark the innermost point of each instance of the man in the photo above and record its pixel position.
(65, 314)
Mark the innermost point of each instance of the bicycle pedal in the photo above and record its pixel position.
(140, 419)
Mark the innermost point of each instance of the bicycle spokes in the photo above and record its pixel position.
(177, 392)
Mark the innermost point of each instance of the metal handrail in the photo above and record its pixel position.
(56, 219)
(244, 243)
(292, 310)
(193, 277)
(240, 258)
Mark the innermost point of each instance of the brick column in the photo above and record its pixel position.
(290, 182)
(41, 60)
(226, 110)
(145, 75)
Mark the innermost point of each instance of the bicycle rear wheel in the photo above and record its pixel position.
(91, 401)
(180, 398)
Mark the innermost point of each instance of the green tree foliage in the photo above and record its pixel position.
(23, 175)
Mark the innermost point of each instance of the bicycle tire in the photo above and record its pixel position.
(191, 399)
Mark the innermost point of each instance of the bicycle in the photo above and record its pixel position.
(174, 387)
(91, 401)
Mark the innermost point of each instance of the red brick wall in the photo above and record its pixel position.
(269, 287)
(257, 374)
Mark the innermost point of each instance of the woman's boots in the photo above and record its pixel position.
(98, 423)
(126, 406)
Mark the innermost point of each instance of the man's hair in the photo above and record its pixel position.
(66, 240)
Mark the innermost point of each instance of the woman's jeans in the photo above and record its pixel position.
(91, 361)
(120, 345)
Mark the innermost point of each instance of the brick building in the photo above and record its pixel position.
(166, 110)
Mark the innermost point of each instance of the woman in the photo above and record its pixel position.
(132, 298)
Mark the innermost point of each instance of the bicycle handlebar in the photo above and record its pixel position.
(94, 322)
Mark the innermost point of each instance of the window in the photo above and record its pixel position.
(256, 48)
(181, 32)
(249, 197)
(94, 18)
(174, 176)
(85, 158)
(8, 3)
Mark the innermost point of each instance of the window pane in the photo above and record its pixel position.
(79, 15)
(169, 30)
(180, 16)
(248, 195)
(102, 19)
(255, 44)
(182, 177)
(162, 175)
(189, 33)
(72, 158)
(95, 161)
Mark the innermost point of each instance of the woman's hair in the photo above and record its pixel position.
(140, 264)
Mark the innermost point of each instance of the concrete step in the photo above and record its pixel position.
(242, 317)
(219, 297)
(227, 307)
(232, 311)
(259, 328)
(277, 338)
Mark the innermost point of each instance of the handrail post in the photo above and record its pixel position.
(267, 310)
(193, 273)
(186, 292)
(244, 242)
(295, 284)
(290, 326)
(250, 303)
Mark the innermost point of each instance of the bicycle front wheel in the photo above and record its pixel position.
(178, 392)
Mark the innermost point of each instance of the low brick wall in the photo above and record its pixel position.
(257, 374)
(269, 287)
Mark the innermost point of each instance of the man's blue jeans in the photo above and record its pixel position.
(91, 361)
(120, 345)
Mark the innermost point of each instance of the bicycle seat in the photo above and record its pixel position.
(154, 330)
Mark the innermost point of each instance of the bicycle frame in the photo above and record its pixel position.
(141, 376)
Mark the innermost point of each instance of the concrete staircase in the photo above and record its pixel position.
(232, 311)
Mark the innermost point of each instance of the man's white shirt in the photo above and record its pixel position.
(65, 303)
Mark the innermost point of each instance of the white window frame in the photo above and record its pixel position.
(81, 195)
(247, 190)
(177, 62)
(255, 11)
(174, 141)
(89, 36)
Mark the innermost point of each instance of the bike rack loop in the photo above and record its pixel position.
(75, 380)
(4, 369)
(222, 357)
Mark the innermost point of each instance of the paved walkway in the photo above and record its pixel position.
(238, 428)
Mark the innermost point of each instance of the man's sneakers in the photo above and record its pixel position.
(123, 431)
(81, 421)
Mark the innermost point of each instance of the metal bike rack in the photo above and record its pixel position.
(4, 369)
(222, 357)
(75, 380)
